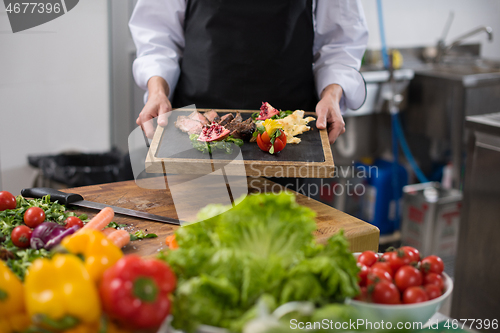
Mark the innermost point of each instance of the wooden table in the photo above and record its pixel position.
(361, 235)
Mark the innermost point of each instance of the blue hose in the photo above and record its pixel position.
(396, 188)
(406, 150)
(385, 56)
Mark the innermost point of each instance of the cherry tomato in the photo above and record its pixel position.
(432, 264)
(405, 256)
(282, 138)
(432, 291)
(385, 292)
(264, 142)
(363, 295)
(407, 276)
(382, 266)
(34, 216)
(363, 273)
(412, 252)
(394, 260)
(368, 258)
(278, 145)
(7, 201)
(414, 295)
(435, 279)
(21, 236)
(72, 221)
(377, 276)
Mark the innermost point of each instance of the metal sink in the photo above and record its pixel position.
(471, 71)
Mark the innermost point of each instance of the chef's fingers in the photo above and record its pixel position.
(322, 112)
(157, 105)
(336, 123)
(335, 129)
(164, 113)
(145, 120)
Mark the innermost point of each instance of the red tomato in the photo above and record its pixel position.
(363, 295)
(278, 145)
(34, 216)
(282, 137)
(385, 292)
(414, 295)
(382, 266)
(412, 252)
(363, 273)
(377, 276)
(435, 279)
(394, 260)
(21, 236)
(432, 264)
(264, 142)
(368, 258)
(7, 201)
(432, 291)
(407, 276)
(72, 221)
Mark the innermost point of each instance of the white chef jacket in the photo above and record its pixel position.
(340, 39)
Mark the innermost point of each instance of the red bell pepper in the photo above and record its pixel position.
(136, 292)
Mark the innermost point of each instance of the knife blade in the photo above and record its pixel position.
(77, 200)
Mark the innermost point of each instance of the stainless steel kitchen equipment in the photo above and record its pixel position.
(440, 97)
(431, 219)
(476, 272)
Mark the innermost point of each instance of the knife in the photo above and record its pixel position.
(77, 200)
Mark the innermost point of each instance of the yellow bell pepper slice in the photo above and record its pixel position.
(271, 126)
(98, 252)
(61, 289)
(13, 317)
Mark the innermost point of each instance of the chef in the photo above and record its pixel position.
(234, 54)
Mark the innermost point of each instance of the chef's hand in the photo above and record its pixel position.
(328, 111)
(157, 105)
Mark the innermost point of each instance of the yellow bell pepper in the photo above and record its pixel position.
(13, 317)
(60, 294)
(98, 252)
(272, 125)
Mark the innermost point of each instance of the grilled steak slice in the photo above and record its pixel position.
(234, 123)
(243, 130)
(246, 132)
(188, 125)
(226, 119)
(238, 118)
(195, 115)
(212, 116)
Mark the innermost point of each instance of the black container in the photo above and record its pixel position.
(78, 169)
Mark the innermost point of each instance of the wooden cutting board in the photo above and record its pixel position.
(171, 151)
(361, 235)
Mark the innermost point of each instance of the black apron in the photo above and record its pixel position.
(239, 53)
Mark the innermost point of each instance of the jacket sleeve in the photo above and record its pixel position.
(157, 29)
(340, 40)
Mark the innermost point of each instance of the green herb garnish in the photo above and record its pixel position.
(141, 235)
(209, 147)
(115, 225)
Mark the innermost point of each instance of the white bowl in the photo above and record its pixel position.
(418, 312)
